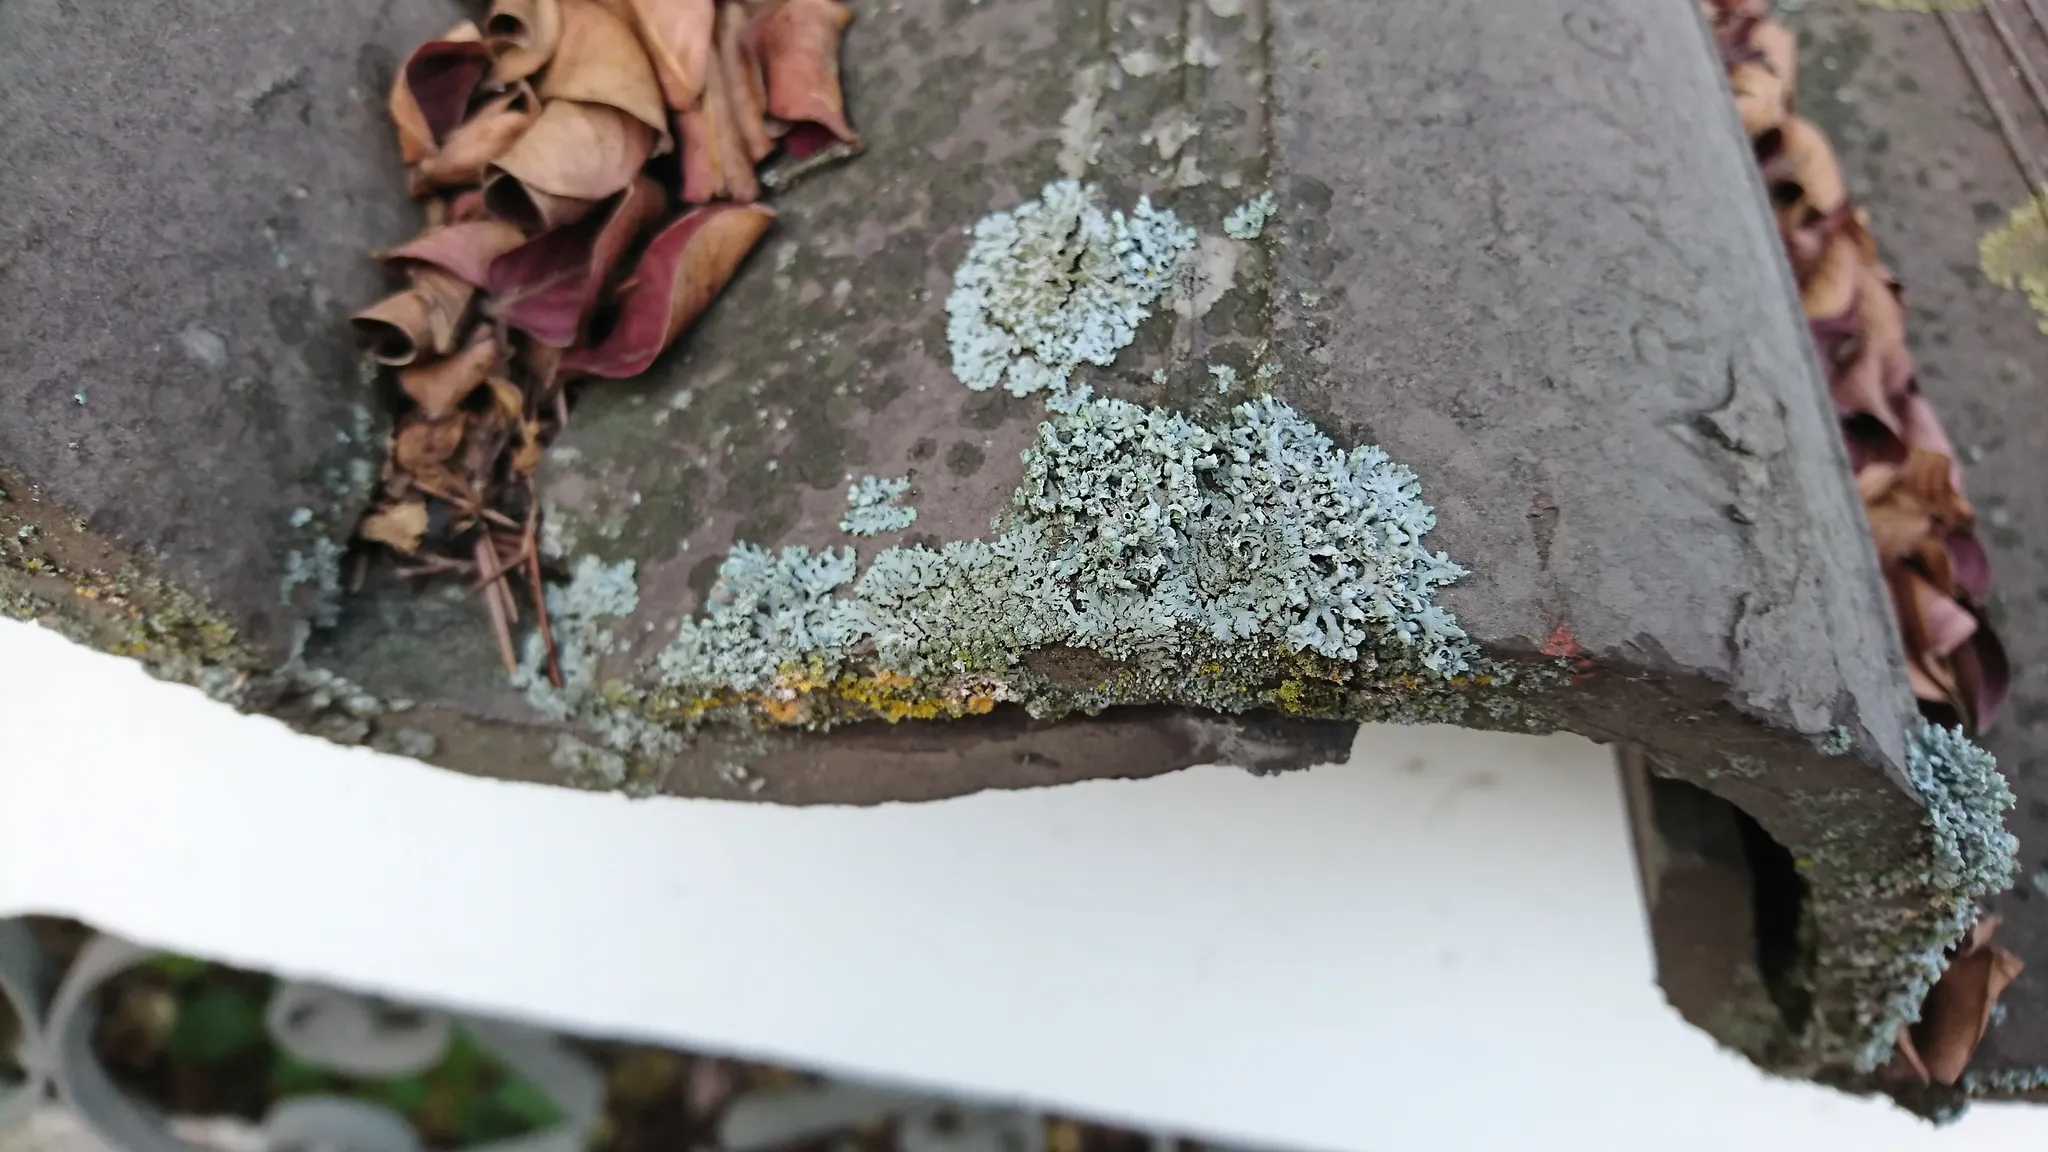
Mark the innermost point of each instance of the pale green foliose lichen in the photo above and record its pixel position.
(1055, 283)
(872, 508)
(1248, 219)
(1136, 534)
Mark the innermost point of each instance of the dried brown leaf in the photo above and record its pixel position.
(797, 42)
(422, 446)
(469, 149)
(677, 36)
(1957, 1012)
(1761, 97)
(431, 92)
(447, 297)
(440, 387)
(1780, 50)
(600, 61)
(573, 152)
(745, 90)
(1813, 165)
(400, 526)
(523, 34)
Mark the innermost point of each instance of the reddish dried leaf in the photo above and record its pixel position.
(600, 61)
(797, 42)
(682, 270)
(523, 34)
(1945, 624)
(468, 151)
(677, 36)
(547, 286)
(716, 163)
(433, 87)
(464, 207)
(400, 526)
(440, 387)
(573, 152)
(464, 250)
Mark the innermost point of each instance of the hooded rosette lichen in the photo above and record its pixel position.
(1201, 564)
(872, 508)
(768, 611)
(1889, 922)
(1055, 283)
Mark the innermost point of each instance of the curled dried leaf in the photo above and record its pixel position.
(447, 296)
(1761, 97)
(600, 61)
(573, 152)
(433, 88)
(396, 328)
(797, 42)
(464, 250)
(746, 91)
(548, 286)
(682, 270)
(677, 36)
(468, 151)
(400, 526)
(440, 387)
(523, 34)
(422, 319)
(1810, 163)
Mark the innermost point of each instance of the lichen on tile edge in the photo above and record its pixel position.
(1889, 889)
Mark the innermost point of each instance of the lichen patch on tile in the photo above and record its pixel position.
(1155, 558)
(872, 507)
(1056, 283)
(1248, 220)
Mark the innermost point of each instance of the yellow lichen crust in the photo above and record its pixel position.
(2016, 256)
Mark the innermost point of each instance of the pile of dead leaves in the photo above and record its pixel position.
(590, 175)
(1906, 468)
(1906, 472)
